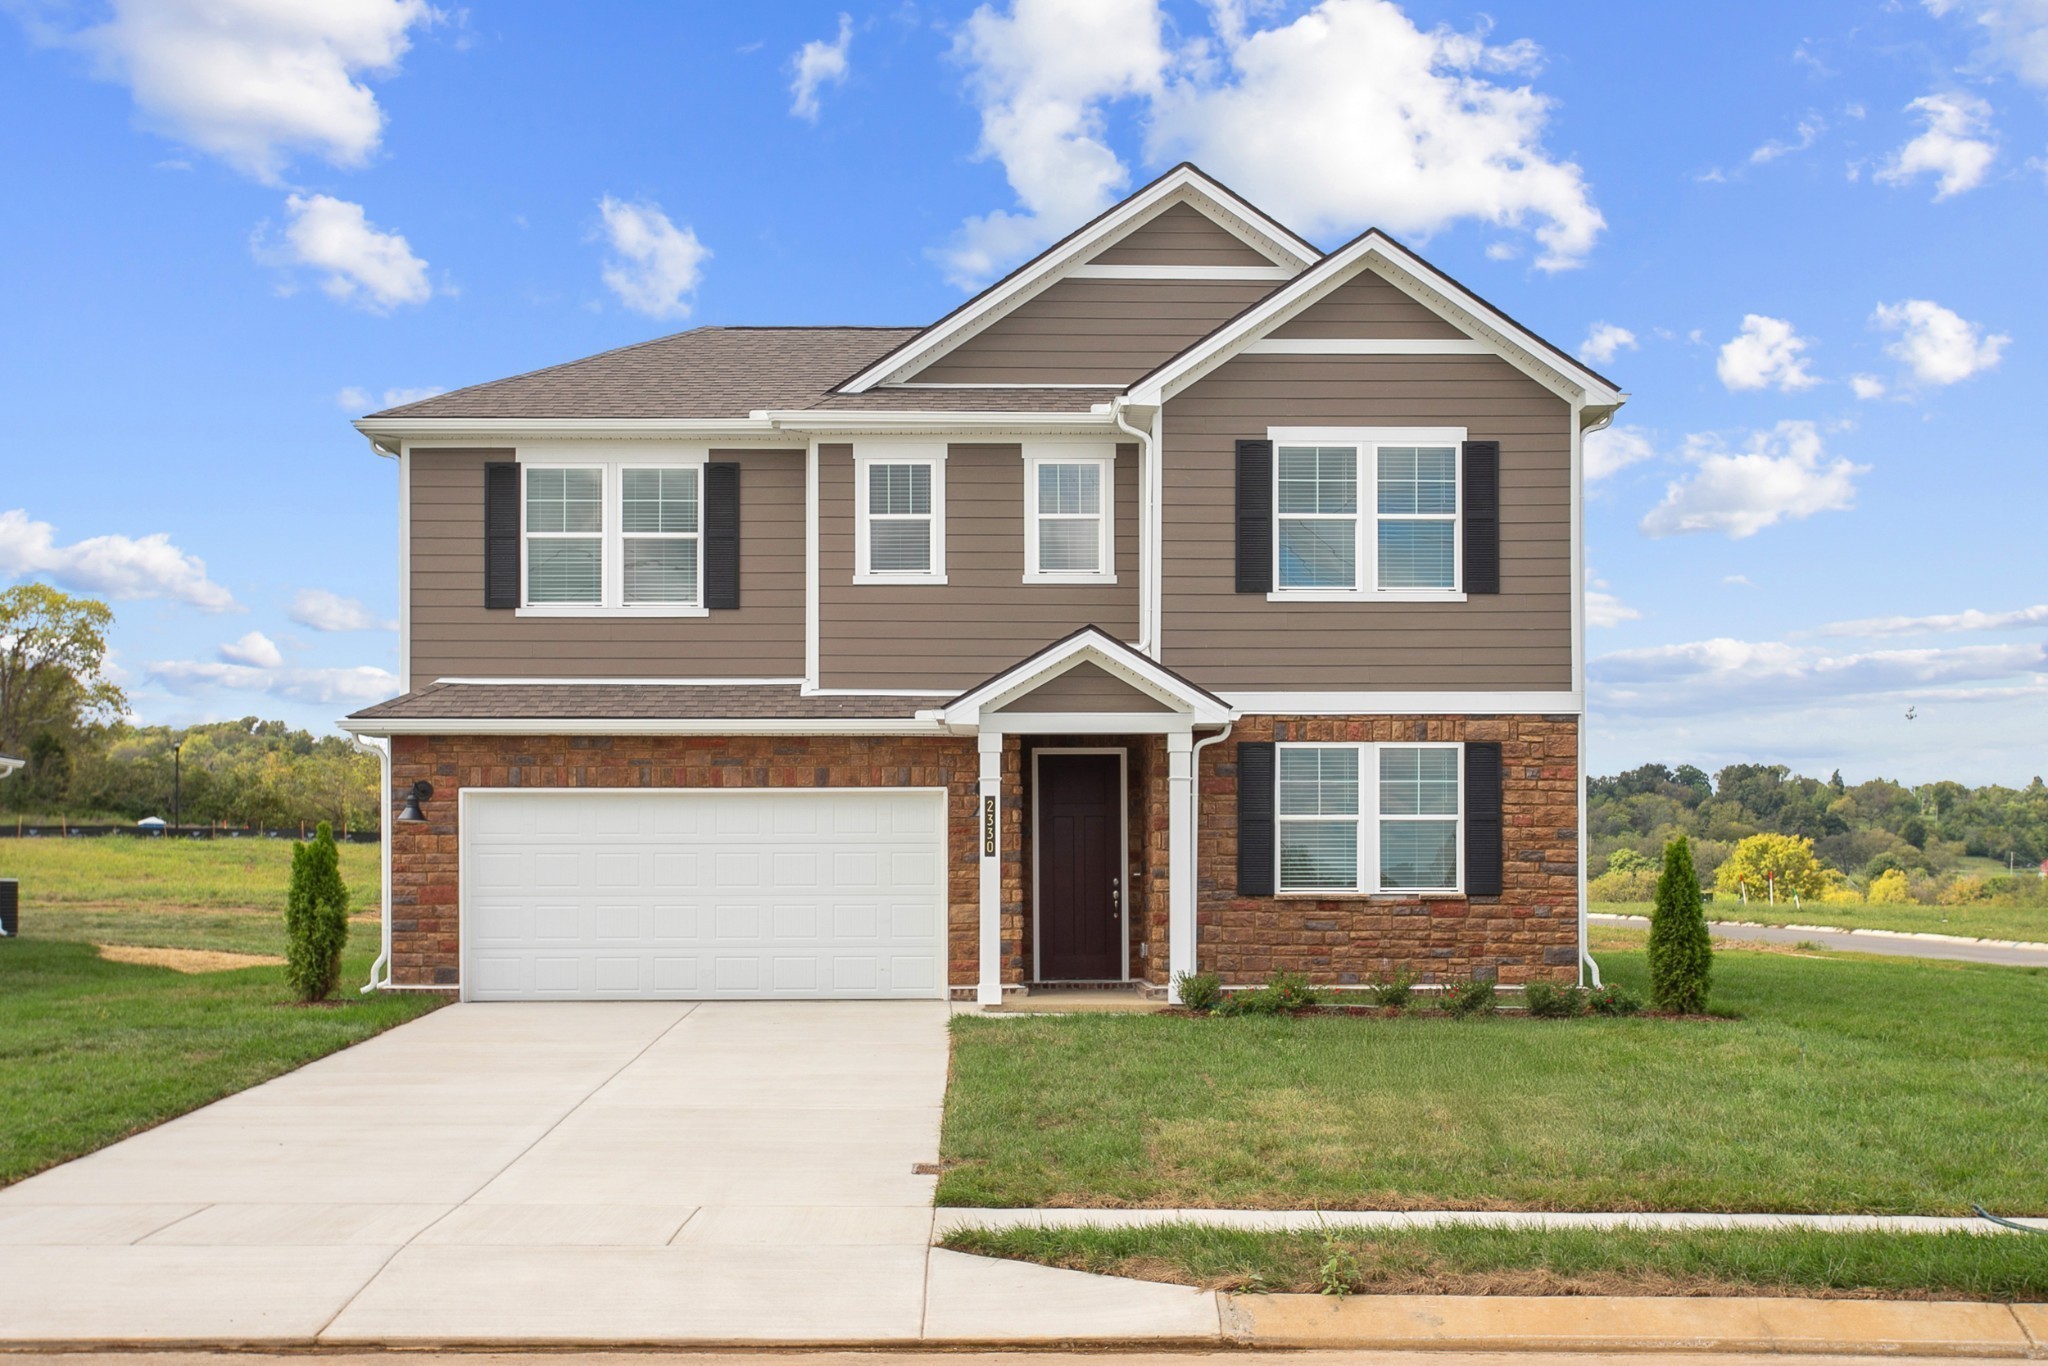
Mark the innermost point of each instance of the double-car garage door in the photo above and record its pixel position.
(696, 894)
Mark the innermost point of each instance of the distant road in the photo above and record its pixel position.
(1860, 941)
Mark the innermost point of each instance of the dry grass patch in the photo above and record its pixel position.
(186, 960)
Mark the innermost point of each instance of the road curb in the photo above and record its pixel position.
(1637, 1324)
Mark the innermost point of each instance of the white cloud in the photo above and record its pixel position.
(1604, 608)
(1766, 352)
(123, 568)
(362, 683)
(1782, 473)
(1737, 581)
(818, 63)
(324, 611)
(355, 399)
(255, 650)
(1957, 145)
(1938, 345)
(2014, 33)
(1867, 386)
(1604, 342)
(1732, 675)
(1613, 449)
(1346, 116)
(1969, 620)
(656, 265)
(1810, 129)
(362, 264)
(255, 81)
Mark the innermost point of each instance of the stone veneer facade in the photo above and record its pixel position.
(1529, 931)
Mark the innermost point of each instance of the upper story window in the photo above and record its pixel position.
(1395, 536)
(603, 538)
(1068, 518)
(1368, 818)
(899, 517)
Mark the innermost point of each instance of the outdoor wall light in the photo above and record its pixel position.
(421, 791)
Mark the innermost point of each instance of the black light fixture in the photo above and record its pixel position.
(421, 791)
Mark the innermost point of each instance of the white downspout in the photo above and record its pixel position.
(1587, 965)
(1195, 837)
(383, 748)
(1148, 456)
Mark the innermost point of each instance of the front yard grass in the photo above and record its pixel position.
(1848, 1084)
(93, 1050)
(2024, 923)
(1495, 1261)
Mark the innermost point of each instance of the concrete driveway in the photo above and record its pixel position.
(614, 1171)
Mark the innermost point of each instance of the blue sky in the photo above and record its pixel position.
(1805, 236)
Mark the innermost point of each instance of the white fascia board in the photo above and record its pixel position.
(1407, 272)
(925, 723)
(1088, 723)
(808, 422)
(420, 429)
(1262, 703)
(1181, 183)
(1118, 659)
(629, 682)
(1272, 273)
(1367, 346)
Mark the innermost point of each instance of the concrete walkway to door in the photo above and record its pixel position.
(605, 1172)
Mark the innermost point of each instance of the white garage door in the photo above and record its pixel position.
(679, 895)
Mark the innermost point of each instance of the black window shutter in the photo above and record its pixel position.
(1482, 516)
(1255, 841)
(501, 533)
(1483, 834)
(1254, 516)
(722, 536)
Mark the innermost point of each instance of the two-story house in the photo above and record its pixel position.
(1190, 599)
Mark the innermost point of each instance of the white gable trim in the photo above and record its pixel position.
(1182, 185)
(1415, 277)
(1275, 273)
(1112, 656)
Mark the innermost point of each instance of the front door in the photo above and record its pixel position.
(1080, 873)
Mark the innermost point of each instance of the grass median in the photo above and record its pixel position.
(1848, 1084)
(2027, 924)
(1497, 1261)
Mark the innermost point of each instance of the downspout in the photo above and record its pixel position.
(1587, 965)
(1148, 455)
(383, 748)
(1195, 833)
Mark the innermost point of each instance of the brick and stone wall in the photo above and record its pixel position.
(1528, 932)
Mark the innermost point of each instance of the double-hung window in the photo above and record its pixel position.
(608, 538)
(1068, 519)
(1370, 818)
(1366, 512)
(899, 517)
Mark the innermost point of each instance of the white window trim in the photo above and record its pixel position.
(1369, 819)
(612, 557)
(1366, 551)
(1101, 455)
(865, 455)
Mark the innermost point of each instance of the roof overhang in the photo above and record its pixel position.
(1185, 183)
(1187, 703)
(924, 723)
(1374, 250)
(772, 427)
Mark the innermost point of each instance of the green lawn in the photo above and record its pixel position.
(1849, 1084)
(1971, 922)
(92, 1050)
(1485, 1261)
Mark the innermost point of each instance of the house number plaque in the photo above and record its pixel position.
(988, 827)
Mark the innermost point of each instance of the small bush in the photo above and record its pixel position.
(1613, 999)
(1285, 993)
(1844, 895)
(1681, 952)
(1635, 884)
(1964, 891)
(1549, 1001)
(315, 917)
(1470, 997)
(1396, 992)
(1889, 888)
(1199, 991)
(1629, 861)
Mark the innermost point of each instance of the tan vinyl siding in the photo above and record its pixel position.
(1519, 639)
(1084, 688)
(1366, 306)
(455, 636)
(1181, 236)
(1094, 332)
(984, 618)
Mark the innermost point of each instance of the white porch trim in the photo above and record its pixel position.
(989, 990)
(1180, 860)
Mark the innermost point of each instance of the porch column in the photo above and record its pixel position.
(1180, 858)
(988, 839)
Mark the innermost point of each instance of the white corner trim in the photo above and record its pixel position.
(1265, 703)
(405, 568)
(1367, 346)
(813, 651)
(1166, 272)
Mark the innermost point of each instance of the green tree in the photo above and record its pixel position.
(1765, 862)
(315, 917)
(1681, 951)
(53, 683)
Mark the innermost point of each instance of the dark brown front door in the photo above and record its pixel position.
(1079, 840)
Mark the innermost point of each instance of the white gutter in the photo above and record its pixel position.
(924, 723)
(383, 748)
(1148, 459)
(1195, 837)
